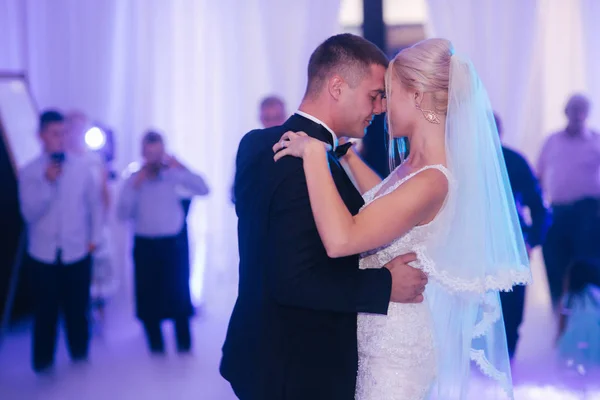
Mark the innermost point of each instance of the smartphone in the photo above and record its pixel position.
(57, 158)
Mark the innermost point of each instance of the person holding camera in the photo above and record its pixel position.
(150, 199)
(61, 208)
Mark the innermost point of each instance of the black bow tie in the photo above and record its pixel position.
(341, 150)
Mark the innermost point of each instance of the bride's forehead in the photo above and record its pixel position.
(395, 85)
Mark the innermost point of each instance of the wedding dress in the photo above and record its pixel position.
(471, 250)
(397, 359)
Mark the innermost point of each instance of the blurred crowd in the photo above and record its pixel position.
(66, 203)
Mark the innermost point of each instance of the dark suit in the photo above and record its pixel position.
(292, 334)
(527, 194)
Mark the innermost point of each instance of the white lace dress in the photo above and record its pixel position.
(397, 359)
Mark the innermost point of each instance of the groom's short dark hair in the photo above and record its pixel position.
(348, 55)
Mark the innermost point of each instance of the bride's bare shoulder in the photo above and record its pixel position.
(430, 185)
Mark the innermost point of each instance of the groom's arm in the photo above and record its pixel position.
(299, 271)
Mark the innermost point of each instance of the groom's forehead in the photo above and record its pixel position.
(376, 78)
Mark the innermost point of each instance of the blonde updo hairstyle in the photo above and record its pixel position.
(424, 67)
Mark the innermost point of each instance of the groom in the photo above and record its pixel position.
(292, 334)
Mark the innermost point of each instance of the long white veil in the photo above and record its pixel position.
(478, 252)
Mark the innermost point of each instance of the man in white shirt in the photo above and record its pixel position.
(569, 172)
(62, 209)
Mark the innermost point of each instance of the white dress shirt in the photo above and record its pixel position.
(155, 207)
(569, 167)
(64, 215)
(323, 124)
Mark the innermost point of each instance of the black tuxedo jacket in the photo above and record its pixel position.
(292, 334)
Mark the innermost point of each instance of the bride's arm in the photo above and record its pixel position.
(362, 175)
(382, 221)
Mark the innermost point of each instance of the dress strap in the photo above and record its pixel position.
(395, 186)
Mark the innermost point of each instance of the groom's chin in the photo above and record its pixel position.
(357, 134)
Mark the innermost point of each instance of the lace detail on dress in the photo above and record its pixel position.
(491, 314)
(373, 194)
(503, 282)
(479, 358)
(397, 357)
(396, 354)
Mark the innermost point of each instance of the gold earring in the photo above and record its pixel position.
(429, 115)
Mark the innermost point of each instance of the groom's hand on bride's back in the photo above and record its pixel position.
(408, 283)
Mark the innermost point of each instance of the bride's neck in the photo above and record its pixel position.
(427, 145)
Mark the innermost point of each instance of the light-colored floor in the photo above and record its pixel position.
(121, 369)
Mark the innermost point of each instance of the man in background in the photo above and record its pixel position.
(151, 200)
(569, 171)
(272, 112)
(62, 209)
(534, 220)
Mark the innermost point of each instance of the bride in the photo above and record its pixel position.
(450, 203)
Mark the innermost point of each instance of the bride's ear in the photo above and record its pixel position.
(335, 84)
(418, 98)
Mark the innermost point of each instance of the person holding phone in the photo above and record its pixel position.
(150, 198)
(62, 210)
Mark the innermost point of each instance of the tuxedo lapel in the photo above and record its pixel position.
(348, 192)
(298, 123)
(351, 197)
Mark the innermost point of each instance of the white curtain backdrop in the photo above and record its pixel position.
(531, 55)
(590, 16)
(498, 36)
(12, 39)
(194, 69)
(562, 59)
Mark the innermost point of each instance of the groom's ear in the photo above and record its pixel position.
(335, 86)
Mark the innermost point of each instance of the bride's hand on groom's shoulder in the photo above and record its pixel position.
(298, 144)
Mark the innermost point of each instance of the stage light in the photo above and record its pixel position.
(95, 138)
(131, 169)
